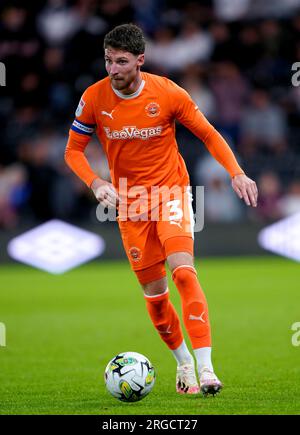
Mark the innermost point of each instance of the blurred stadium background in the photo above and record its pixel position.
(235, 58)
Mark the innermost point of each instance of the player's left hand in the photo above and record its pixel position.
(105, 193)
(245, 188)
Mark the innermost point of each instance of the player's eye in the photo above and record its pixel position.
(122, 62)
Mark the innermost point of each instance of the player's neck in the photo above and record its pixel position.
(134, 85)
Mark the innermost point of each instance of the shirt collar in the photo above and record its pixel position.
(130, 96)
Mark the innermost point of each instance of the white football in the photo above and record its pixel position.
(129, 376)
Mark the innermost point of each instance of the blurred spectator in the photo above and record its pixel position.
(31, 91)
(24, 123)
(193, 82)
(13, 194)
(224, 46)
(19, 44)
(270, 194)
(161, 52)
(276, 8)
(193, 44)
(221, 204)
(147, 14)
(231, 10)
(55, 80)
(290, 203)
(58, 22)
(248, 48)
(263, 126)
(230, 90)
(115, 12)
(271, 37)
(41, 175)
(171, 54)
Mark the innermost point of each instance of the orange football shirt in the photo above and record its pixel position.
(137, 133)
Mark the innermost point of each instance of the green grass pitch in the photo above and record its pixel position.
(62, 331)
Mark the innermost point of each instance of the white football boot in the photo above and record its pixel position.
(209, 383)
(186, 381)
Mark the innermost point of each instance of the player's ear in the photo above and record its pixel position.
(141, 59)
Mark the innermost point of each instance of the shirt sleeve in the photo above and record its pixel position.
(188, 114)
(80, 133)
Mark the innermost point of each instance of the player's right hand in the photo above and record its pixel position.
(105, 193)
(245, 188)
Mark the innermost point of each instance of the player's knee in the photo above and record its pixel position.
(182, 275)
(181, 279)
(179, 259)
(155, 288)
(152, 291)
(153, 277)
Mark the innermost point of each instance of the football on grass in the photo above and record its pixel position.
(129, 376)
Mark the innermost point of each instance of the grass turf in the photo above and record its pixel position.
(62, 331)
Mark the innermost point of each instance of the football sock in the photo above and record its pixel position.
(165, 319)
(182, 355)
(194, 306)
(203, 357)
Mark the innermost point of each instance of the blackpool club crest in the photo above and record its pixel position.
(152, 109)
(135, 253)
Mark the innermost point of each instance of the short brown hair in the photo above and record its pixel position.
(126, 37)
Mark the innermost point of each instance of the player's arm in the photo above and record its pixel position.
(190, 116)
(79, 136)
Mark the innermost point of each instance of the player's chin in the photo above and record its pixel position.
(118, 84)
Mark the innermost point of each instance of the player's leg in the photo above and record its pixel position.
(194, 309)
(175, 231)
(147, 259)
(194, 304)
(166, 322)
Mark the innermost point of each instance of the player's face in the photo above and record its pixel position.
(123, 69)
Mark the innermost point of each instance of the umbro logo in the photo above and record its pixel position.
(108, 114)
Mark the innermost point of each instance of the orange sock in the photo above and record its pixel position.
(165, 319)
(194, 306)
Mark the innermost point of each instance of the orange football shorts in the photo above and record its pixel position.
(148, 243)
